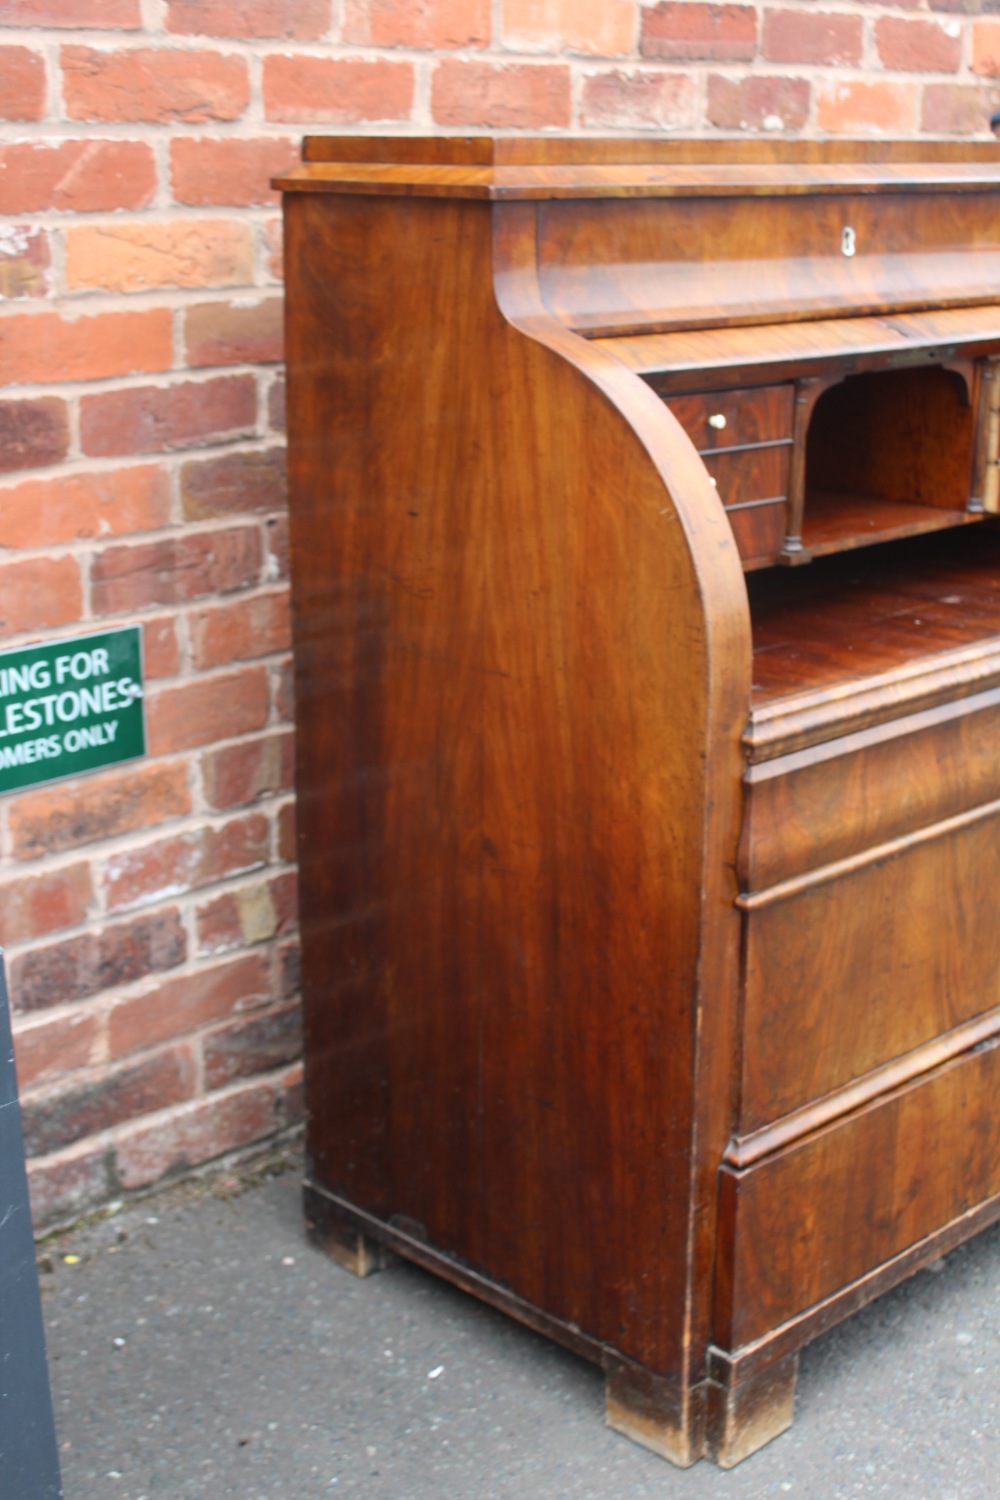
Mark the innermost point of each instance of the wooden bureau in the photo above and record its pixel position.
(646, 592)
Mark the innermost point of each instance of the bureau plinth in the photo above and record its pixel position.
(646, 600)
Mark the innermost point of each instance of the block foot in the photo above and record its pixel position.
(655, 1412)
(339, 1236)
(745, 1412)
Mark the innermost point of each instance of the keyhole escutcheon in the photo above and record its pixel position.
(848, 240)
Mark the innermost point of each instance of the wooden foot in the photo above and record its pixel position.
(655, 1412)
(746, 1412)
(336, 1233)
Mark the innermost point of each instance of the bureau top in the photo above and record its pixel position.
(501, 168)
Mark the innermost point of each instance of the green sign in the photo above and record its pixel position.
(70, 706)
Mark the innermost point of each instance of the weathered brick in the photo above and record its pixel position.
(158, 86)
(758, 102)
(306, 20)
(196, 1134)
(284, 693)
(158, 419)
(206, 710)
(515, 96)
(276, 407)
(240, 630)
(186, 861)
(76, 176)
(253, 913)
(173, 569)
(65, 1186)
(42, 347)
(32, 433)
(918, 46)
(986, 48)
(137, 257)
(58, 1117)
(94, 962)
(291, 1096)
(74, 507)
(276, 533)
(184, 1003)
(639, 99)
(235, 484)
(437, 24)
(275, 249)
(24, 262)
(38, 593)
(231, 172)
(879, 106)
(161, 652)
(76, 813)
(233, 775)
(23, 94)
(53, 1047)
(33, 906)
(254, 1045)
(289, 968)
(116, 15)
(826, 38)
(234, 333)
(343, 91)
(956, 108)
(604, 28)
(286, 831)
(679, 28)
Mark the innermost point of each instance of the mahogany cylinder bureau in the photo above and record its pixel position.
(646, 592)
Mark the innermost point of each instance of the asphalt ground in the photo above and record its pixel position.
(199, 1347)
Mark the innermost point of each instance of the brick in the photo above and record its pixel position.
(93, 962)
(76, 176)
(65, 1186)
(229, 172)
(720, 33)
(290, 968)
(240, 630)
(159, 419)
(639, 99)
(196, 1134)
(157, 86)
(252, 913)
(277, 413)
(208, 709)
(986, 48)
(184, 1003)
(23, 94)
(918, 46)
(186, 861)
(76, 507)
(236, 484)
(137, 257)
(161, 652)
(46, 346)
(248, 1047)
(433, 24)
(284, 693)
(124, 15)
(32, 433)
(99, 807)
(956, 109)
(276, 533)
(234, 333)
(24, 261)
(822, 37)
(275, 249)
(514, 96)
(292, 1096)
(234, 775)
(42, 592)
(59, 1117)
(176, 568)
(603, 28)
(33, 906)
(286, 832)
(342, 91)
(758, 102)
(305, 20)
(54, 1047)
(880, 107)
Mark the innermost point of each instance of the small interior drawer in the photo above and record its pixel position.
(758, 414)
(748, 474)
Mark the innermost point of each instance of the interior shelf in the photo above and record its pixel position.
(837, 522)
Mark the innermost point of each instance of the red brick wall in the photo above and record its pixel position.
(149, 912)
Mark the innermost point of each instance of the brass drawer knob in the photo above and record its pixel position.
(717, 420)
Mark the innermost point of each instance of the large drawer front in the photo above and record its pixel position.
(819, 1215)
